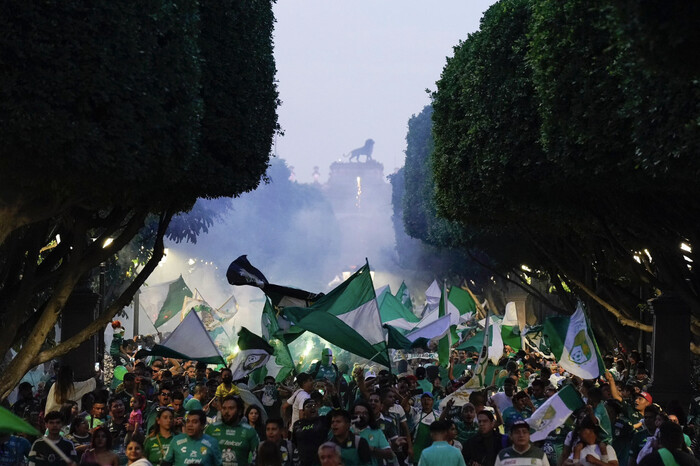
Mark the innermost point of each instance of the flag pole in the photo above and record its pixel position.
(225, 303)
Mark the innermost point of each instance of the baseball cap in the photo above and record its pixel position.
(309, 400)
(518, 424)
(370, 375)
(645, 395)
(426, 394)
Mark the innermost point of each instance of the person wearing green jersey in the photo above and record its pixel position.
(325, 369)
(193, 446)
(238, 441)
(364, 425)
(158, 441)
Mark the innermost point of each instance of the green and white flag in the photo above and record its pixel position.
(164, 301)
(464, 303)
(445, 343)
(189, 341)
(253, 353)
(281, 364)
(405, 298)
(432, 298)
(573, 345)
(554, 412)
(510, 329)
(348, 317)
(393, 313)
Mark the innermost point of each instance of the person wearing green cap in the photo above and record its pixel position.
(325, 369)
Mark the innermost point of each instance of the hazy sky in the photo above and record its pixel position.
(350, 70)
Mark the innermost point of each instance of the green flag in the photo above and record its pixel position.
(404, 297)
(348, 317)
(445, 342)
(281, 364)
(463, 301)
(164, 301)
(394, 313)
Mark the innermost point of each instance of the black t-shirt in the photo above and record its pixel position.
(483, 449)
(308, 435)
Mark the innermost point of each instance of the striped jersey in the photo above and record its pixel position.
(533, 456)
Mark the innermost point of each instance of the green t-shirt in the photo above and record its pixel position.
(115, 346)
(465, 431)
(324, 372)
(376, 439)
(237, 443)
(193, 404)
(186, 450)
(604, 422)
(155, 448)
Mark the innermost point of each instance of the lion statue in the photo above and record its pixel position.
(365, 150)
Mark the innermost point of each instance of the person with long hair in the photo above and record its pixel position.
(254, 418)
(69, 411)
(101, 452)
(160, 436)
(65, 389)
(134, 454)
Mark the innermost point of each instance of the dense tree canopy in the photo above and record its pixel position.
(110, 115)
(558, 136)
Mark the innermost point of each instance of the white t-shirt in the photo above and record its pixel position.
(503, 401)
(297, 402)
(595, 451)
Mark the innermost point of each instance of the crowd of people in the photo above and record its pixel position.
(170, 412)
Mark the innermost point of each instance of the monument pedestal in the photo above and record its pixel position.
(671, 350)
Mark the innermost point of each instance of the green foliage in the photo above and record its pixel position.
(113, 117)
(119, 102)
(563, 141)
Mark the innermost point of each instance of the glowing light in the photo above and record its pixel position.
(307, 350)
(686, 247)
(526, 268)
(58, 239)
(165, 257)
(235, 349)
(190, 261)
(358, 197)
(638, 259)
(646, 251)
(107, 242)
